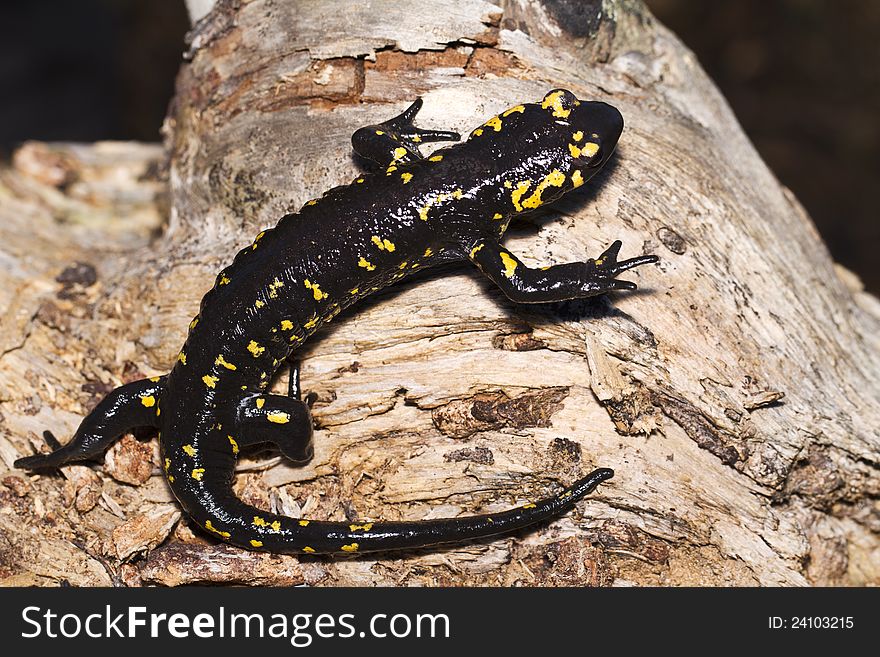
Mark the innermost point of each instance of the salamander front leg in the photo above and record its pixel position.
(282, 421)
(135, 404)
(397, 140)
(559, 282)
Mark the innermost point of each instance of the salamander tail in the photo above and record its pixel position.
(249, 527)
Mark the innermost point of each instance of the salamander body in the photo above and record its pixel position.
(410, 213)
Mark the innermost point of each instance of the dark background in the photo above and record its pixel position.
(803, 76)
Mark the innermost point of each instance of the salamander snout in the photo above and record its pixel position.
(601, 125)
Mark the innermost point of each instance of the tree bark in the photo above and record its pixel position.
(735, 395)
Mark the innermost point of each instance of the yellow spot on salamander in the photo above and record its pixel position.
(278, 417)
(197, 474)
(304, 523)
(259, 304)
(402, 265)
(286, 325)
(399, 153)
(148, 400)
(316, 290)
(406, 177)
(577, 136)
(260, 402)
(366, 264)
(312, 322)
(257, 239)
(311, 202)
(155, 379)
(383, 244)
(423, 211)
(350, 548)
(365, 527)
(171, 479)
(554, 101)
(508, 184)
(477, 132)
(234, 444)
(577, 179)
(509, 264)
(427, 253)
(158, 411)
(390, 170)
(515, 108)
(181, 357)
(255, 348)
(167, 464)
(353, 290)
(210, 381)
(528, 506)
(222, 362)
(494, 123)
(189, 450)
(497, 216)
(435, 158)
(273, 288)
(517, 193)
(379, 132)
(256, 543)
(476, 249)
(554, 179)
(590, 149)
(359, 180)
(276, 526)
(224, 280)
(193, 323)
(417, 139)
(260, 522)
(212, 528)
(309, 550)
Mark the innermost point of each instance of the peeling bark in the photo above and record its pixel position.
(736, 395)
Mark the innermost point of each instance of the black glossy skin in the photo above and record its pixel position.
(412, 213)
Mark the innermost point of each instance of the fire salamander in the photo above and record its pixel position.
(409, 213)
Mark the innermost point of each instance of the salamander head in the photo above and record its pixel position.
(551, 147)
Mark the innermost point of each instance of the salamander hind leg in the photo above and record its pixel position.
(283, 421)
(135, 404)
(571, 280)
(397, 140)
(606, 268)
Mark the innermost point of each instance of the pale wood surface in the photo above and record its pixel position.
(736, 395)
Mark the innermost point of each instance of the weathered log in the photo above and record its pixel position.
(736, 395)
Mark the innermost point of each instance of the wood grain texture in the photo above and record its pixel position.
(736, 394)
